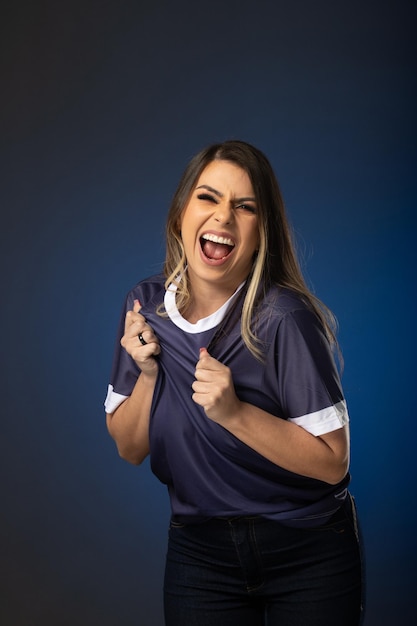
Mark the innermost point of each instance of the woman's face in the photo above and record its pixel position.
(219, 226)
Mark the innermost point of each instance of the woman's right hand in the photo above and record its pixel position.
(142, 354)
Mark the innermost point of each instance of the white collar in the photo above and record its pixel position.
(205, 323)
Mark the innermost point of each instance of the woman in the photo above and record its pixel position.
(225, 375)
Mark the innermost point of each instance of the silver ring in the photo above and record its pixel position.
(141, 339)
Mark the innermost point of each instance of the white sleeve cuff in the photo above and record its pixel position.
(323, 421)
(113, 400)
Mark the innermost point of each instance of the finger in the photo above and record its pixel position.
(203, 356)
(141, 352)
(202, 387)
(134, 323)
(142, 339)
(139, 329)
(208, 362)
(133, 316)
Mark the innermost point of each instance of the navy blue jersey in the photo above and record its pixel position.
(208, 471)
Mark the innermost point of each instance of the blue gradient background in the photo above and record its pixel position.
(102, 105)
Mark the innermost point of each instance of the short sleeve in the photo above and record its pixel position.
(124, 371)
(309, 384)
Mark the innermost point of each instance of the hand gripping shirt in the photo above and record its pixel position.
(208, 471)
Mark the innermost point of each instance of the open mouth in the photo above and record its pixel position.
(215, 247)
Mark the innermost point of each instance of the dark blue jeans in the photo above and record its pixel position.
(250, 571)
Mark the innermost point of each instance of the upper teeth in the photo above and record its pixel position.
(216, 239)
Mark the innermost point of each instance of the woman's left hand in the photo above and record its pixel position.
(286, 444)
(214, 390)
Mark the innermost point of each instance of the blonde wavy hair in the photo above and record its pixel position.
(275, 263)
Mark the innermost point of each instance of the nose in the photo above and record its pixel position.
(224, 213)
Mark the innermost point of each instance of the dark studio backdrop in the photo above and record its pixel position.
(102, 104)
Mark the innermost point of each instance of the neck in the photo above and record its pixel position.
(205, 300)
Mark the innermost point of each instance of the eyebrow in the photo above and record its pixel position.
(220, 195)
(217, 193)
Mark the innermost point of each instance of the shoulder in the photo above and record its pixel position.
(281, 301)
(149, 291)
(285, 312)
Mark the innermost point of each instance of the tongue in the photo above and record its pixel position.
(215, 250)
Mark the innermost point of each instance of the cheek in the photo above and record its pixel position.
(188, 225)
(187, 237)
(185, 222)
